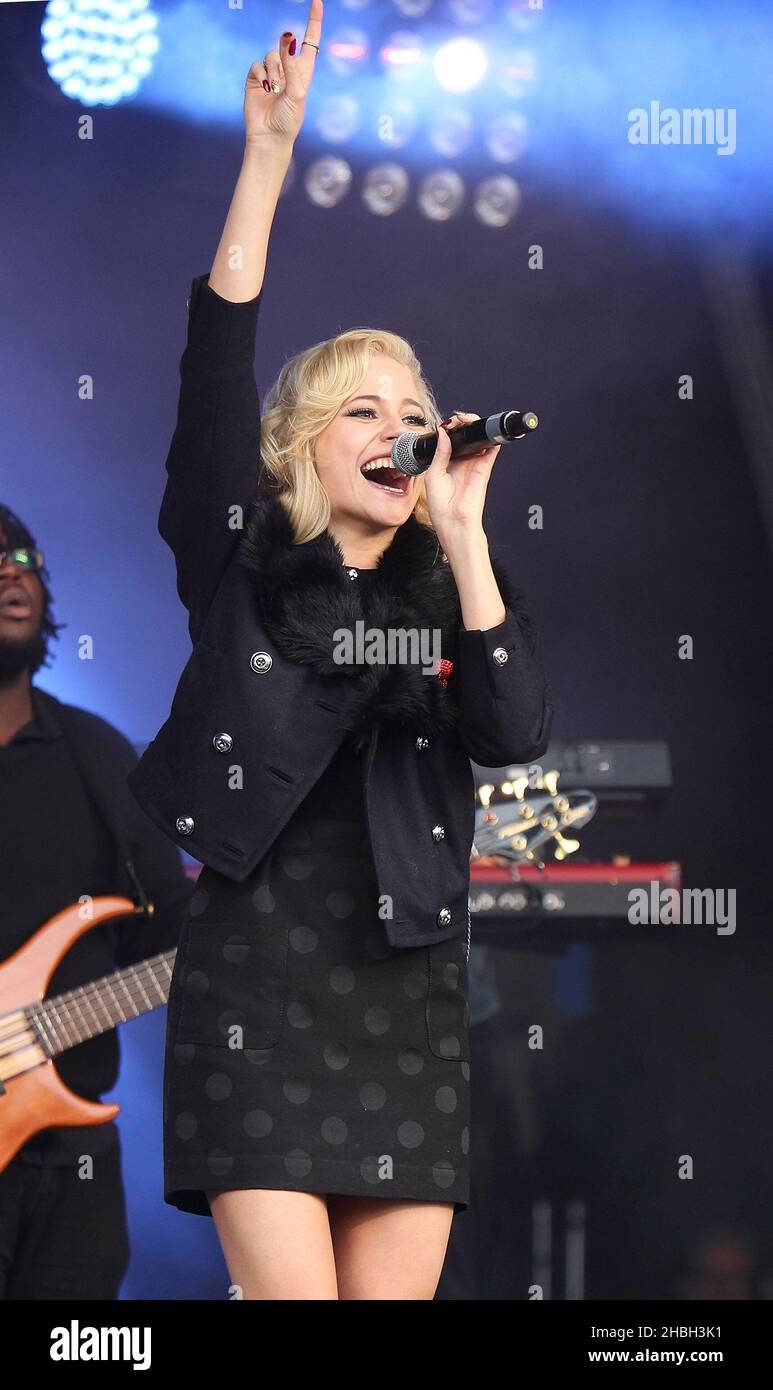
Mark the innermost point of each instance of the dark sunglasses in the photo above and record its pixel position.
(23, 559)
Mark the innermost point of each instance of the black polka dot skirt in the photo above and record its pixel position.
(305, 1053)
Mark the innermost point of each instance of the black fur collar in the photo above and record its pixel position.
(305, 595)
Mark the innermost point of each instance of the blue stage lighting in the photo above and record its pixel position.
(460, 64)
(402, 53)
(99, 51)
(525, 14)
(385, 189)
(339, 117)
(348, 49)
(450, 131)
(441, 195)
(496, 201)
(413, 9)
(398, 121)
(517, 72)
(506, 137)
(327, 181)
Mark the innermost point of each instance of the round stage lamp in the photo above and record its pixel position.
(413, 9)
(397, 122)
(99, 51)
(441, 195)
(497, 200)
(451, 131)
(327, 181)
(339, 117)
(506, 137)
(385, 189)
(402, 55)
(347, 50)
(460, 64)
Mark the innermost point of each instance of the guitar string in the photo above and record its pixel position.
(86, 996)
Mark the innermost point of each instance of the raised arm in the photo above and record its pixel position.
(272, 121)
(214, 455)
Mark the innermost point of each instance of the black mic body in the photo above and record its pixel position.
(413, 453)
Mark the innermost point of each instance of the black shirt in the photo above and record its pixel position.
(55, 847)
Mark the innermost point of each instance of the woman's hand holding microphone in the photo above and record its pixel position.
(455, 490)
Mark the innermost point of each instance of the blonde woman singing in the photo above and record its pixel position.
(317, 1070)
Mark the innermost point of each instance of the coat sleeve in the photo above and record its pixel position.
(505, 701)
(212, 465)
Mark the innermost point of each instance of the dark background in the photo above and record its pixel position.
(653, 528)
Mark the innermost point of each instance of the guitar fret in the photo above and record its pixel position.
(47, 1030)
(74, 1016)
(120, 980)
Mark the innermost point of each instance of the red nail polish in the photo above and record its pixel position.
(288, 33)
(266, 84)
(292, 49)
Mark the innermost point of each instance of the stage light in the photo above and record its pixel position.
(402, 54)
(339, 117)
(517, 72)
(441, 195)
(397, 122)
(460, 64)
(497, 200)
(99, 51)
(450, 131)
(327, 181)
(413, 9)
(347, 51)
(469, 11)
(506, 137)
(385, 189)
(525, 14)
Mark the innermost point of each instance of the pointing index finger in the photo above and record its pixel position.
(313, 32)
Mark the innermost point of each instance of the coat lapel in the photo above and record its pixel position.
(305, 597)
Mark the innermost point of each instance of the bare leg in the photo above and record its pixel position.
(388, 1249)
(276, 1244)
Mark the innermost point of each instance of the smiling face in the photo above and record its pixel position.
(367, 500)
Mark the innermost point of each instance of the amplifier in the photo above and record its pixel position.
(563, 902)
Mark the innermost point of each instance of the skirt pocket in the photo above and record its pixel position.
(448, 1009)
(231, 984)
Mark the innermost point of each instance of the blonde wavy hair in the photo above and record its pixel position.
(301, 403)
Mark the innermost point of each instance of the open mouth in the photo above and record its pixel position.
(16, 607)
(381, 473)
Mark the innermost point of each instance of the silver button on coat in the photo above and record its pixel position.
(261, 661)
(184, 824)
(223, 743)
(443, 918)
(438, 832)
(421, 744)
(499, 655)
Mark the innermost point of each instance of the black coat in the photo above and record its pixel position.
(262, 706)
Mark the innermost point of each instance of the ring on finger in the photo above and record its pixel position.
(276, 86)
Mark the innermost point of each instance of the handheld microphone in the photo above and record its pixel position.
(413, 453)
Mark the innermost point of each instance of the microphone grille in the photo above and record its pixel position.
(402, 454)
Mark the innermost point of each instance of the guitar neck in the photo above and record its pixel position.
(93, 1008)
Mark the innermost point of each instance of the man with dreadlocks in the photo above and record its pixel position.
(68, 827)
